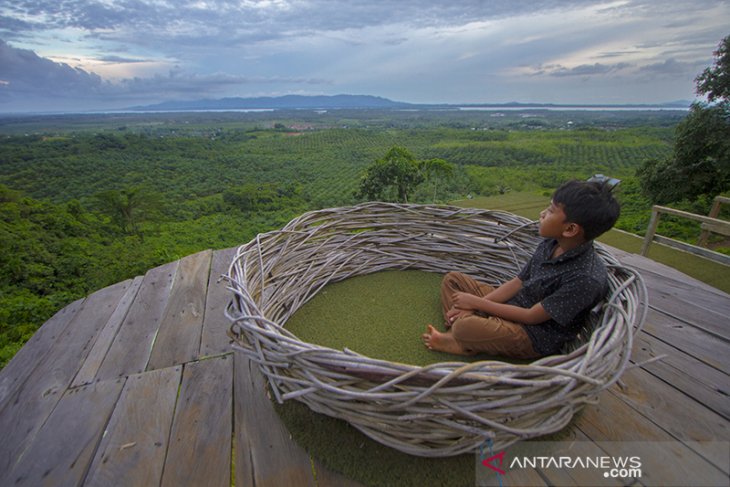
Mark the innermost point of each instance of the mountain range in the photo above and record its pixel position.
(290, 102)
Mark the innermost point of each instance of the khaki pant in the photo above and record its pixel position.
(478, 333)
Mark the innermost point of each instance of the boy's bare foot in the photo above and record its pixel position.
(442, 342)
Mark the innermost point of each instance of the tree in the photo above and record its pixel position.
(264, 196)
(715, 82)
(435, 171)
(129, 207)
(700, 163)
(250, 196)
(392, 177)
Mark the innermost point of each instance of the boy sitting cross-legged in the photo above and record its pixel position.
(535, 313)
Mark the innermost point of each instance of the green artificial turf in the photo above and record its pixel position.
(339, 447)
(381, 315)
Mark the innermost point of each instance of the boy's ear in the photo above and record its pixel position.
(571, 230)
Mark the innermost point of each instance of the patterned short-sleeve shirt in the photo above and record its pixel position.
(568, 287)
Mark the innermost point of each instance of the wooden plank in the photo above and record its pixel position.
(27, 409)
(27, 358)
(513, 477)
(199, 452)
(653, 271)
(266, 456)
(131, 348)
(214, 339)
(693, 341)
(664, 460)
(61, 452)
(721, 228)
(690, 216)
(178, 338)
(101, 346)
(675, 413)
(135, 442)
(697, 380)
(708, 311)
(523, 477)
(572, 442)
(650, 231)
(693, 249)
(687, 291)
(714, 213)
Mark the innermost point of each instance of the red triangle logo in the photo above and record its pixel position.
(487, 462)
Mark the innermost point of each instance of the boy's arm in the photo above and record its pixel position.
(506, 291)
(503, 293)
(527, 316)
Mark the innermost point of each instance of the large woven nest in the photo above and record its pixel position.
(442, 409)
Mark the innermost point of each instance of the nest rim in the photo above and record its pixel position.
(434, 410)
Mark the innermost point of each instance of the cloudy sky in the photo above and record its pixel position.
(96, 54)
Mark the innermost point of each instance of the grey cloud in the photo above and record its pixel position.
(25, 75)
(668, 68)
(88, 15)
(617, 53)
(671, 67)
(178, 83)
(395, 41)
(185, 31)
(581, 70)
(291, 17)
(24, 72)
(120, 59)
(12, 24)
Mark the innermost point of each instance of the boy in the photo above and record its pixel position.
(542, 308)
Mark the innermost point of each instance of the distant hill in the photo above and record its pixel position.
(280, 102)
(324, 102)
(567, 106)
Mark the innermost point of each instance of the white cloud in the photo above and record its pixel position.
(115, 68)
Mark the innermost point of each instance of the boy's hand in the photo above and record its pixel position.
(454, 314)
(466, 301)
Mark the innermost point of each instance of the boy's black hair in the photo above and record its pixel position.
(590, 204)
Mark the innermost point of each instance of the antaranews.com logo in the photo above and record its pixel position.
(612, 467)
(587, 463)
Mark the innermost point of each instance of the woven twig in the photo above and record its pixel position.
(442, 409)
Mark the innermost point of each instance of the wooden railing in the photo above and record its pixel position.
(709, 224)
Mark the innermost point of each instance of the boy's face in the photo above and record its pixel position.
(553, 221)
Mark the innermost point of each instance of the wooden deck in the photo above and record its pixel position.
(137, 385)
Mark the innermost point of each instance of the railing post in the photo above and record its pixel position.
(650, 231)
(714, 213)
